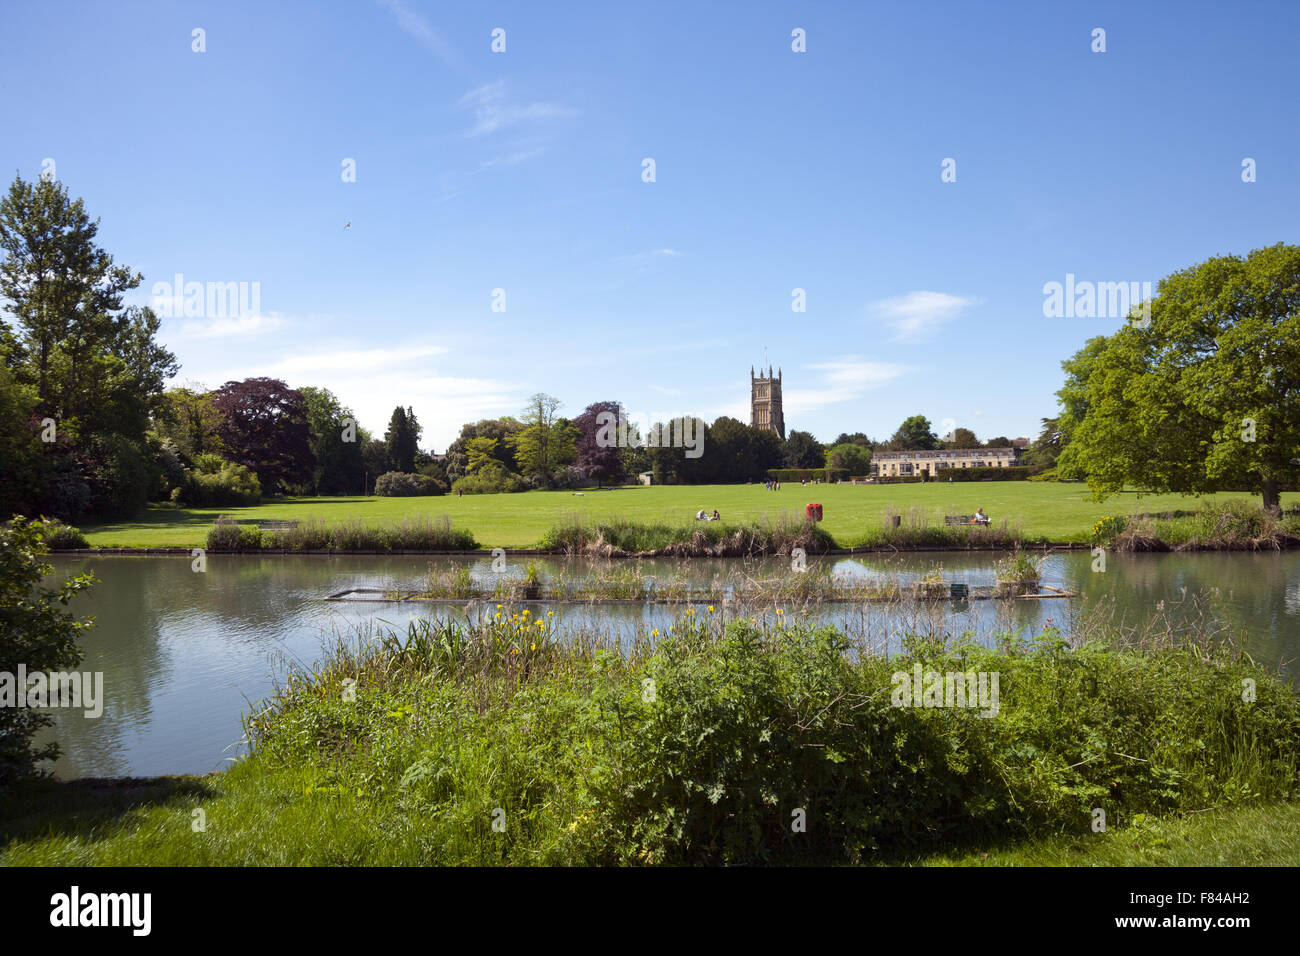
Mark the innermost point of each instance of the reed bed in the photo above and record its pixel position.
(1228, 525)
(422, 533)
(916, 527)
(631, 582)
(779, 535)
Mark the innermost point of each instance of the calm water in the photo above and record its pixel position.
(183, 654)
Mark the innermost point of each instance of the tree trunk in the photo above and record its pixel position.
(1269, 489)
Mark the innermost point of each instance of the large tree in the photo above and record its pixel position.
(546, 442)
(802, 450)
(337, 442)
(1204, 396)
(188, 417)
(499, 428)
(93, 363)
(265, 428)
(960, 438)
(402, 439)
(603, 462)
(915, 434)
(851, 457)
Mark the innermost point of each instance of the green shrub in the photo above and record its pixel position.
(491, 479)
(214, 482)
(61, 537)
(39, 635)
(705, 746)
(397, 484)
(228, 535)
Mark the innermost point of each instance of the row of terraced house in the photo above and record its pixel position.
(904, 464)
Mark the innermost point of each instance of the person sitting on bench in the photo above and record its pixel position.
(980, 517)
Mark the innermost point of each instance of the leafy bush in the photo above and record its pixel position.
(705, 746)
(39, 634)
(215, 482)
(491, 479)
(61, 537)
(399, 484)
(228, 535)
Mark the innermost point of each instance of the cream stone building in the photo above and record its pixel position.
(909, 464)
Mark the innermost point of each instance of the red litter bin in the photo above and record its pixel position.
(813, 512)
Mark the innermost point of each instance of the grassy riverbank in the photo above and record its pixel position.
(500, 743)
(854, 514)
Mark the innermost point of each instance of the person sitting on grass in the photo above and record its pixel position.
(716, 516)
(699, 515)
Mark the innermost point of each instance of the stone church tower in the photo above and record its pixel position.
(765, 402)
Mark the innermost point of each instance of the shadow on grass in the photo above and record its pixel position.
(85, 808)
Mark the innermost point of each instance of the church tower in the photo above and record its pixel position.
(765, 402)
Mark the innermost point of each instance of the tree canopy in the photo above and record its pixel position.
(1205, 397)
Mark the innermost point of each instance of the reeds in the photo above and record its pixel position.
(422, 533)
(621, 538)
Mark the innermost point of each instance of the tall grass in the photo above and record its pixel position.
(621, 537)
(920, 527)
(700, 744)
(421, 533)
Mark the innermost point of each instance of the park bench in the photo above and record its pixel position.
(276, 525)
(958, 519)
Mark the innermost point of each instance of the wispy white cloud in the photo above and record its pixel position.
(512, 159)
(917, 315)
(227, 327)
(495, 109)
(842, 380)
(415, 25)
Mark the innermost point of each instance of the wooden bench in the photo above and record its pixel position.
(962, 519)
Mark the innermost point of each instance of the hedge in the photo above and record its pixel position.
(1012, 473)
(401, 484)
(827, 475)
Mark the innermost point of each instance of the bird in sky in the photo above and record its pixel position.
(349, 225)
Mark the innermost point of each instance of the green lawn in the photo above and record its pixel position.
(1058, 511)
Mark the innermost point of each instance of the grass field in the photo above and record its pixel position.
(1057, 511)
(284, 820)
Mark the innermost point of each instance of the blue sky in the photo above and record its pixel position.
(775, 170)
